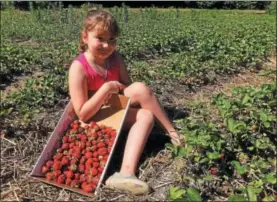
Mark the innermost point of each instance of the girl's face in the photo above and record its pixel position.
(101, 43)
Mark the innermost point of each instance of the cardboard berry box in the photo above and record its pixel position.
(112, 115)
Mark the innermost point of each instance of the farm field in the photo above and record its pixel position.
(214, 71)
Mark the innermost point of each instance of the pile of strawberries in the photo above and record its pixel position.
(80, 160)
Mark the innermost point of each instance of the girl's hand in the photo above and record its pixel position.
(114, 88)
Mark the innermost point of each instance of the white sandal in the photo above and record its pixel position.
(127, 183)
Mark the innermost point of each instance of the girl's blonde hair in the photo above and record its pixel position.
(95, 18)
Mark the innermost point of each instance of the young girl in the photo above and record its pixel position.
(100, 71)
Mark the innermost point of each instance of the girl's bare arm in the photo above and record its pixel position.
(124, 77)
(84, 107)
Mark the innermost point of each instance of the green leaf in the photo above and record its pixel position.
(235, 126)
(193, 194)
(175, 193)
(270, 178)
(263, 116)
(208, 177)
(240, 169)
(252, 193)
(213, 155)
(237, 197)
(266, 124)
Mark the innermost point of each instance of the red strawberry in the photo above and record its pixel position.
(83, 159)
(89, 161)
(221, 156)
(80, 129)
(88, 144)
(49, 164)
(60, 150)
(73, 161)
(69, 174)
(93, 171)
(113, 133)
(70, 152)
(88, 155)
(81, 168)
(108, 130)
(65, 146)
(92, 124)
(77, 176)
(65, 139)
(71, 145)
(95, 159)
(68, 181)
(58, 156)
(94, 148)
(77, 155)
(88, 188)
(213, 170)
(75, 183)
(44, 169)
(57, 165)
(95, 154)
(77, 149)
(102, 151)
(83, 185)
(49, 176)
(95, 180)
(88, 149)
(101, 144)
(100, 169)
(83, 145)
(65, 161)
(82, 178)
(96, 127)
(56, 173)
(95, 164)
(61, 179)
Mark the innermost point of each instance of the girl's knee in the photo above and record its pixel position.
(140, 89)
(146, 116)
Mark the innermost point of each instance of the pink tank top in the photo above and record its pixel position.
(94, 80)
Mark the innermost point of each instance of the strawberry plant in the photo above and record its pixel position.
(233, 143)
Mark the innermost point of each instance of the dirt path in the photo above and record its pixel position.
(243, 79)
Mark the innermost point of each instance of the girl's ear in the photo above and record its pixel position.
(85, 37)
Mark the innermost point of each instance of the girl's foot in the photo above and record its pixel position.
(129, 183)
(175, 138)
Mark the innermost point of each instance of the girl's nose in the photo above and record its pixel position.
(105, 45)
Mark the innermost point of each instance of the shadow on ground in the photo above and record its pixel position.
(155, 143)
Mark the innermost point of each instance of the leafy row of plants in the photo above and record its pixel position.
(231, 147)
(196, 45)
(15, 60)
(191, 43)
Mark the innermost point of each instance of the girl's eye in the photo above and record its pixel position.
(112, 40)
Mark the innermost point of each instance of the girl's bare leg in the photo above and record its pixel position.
(142, 95)
(140, 122)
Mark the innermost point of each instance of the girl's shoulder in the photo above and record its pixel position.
(81, 58)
